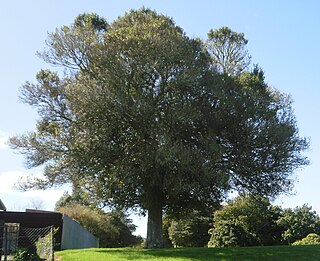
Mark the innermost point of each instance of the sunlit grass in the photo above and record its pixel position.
(280, 253)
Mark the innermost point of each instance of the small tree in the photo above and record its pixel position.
(245, 221)
(297, 223)
(190, 230)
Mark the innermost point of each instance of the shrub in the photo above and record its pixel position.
(245, 221)
(24, 254)
(311, 239)
(190, 230)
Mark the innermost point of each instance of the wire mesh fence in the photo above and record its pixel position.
(20, 243)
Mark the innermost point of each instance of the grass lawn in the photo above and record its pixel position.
(280, 253)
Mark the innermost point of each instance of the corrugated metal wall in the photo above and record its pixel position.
(74, 236)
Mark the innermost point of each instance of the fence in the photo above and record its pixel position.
(26, 243)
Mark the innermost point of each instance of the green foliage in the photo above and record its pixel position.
(252, 111)
(166, 222)
(189, 231)
(25, 254)
(297, 223)
(78, 196)
(65, 200)
(245, 221)
(252, 221)
(45, 246)
(141, 116)
(228, 51)
(113, 229)
(311, 239)
(73, 46)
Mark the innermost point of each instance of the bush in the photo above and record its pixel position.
(24, 254)
(188, 231)
(45, 245)
(311, 239)
(245, 221)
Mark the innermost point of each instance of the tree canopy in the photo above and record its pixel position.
(297, 223)
(228, 51)
(142, 118)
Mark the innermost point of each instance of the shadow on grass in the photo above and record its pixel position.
(201, 254)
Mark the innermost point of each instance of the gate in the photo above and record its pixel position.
(26, 243)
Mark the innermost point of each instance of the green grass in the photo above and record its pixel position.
(280, 253)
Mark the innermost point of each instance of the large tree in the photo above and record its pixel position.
(141, 118)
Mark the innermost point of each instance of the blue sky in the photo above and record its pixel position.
(283, 39)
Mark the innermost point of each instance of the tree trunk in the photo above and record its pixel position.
(154, 228)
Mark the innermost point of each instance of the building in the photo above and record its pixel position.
(69, 233)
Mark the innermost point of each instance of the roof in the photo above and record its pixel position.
(2, 206)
